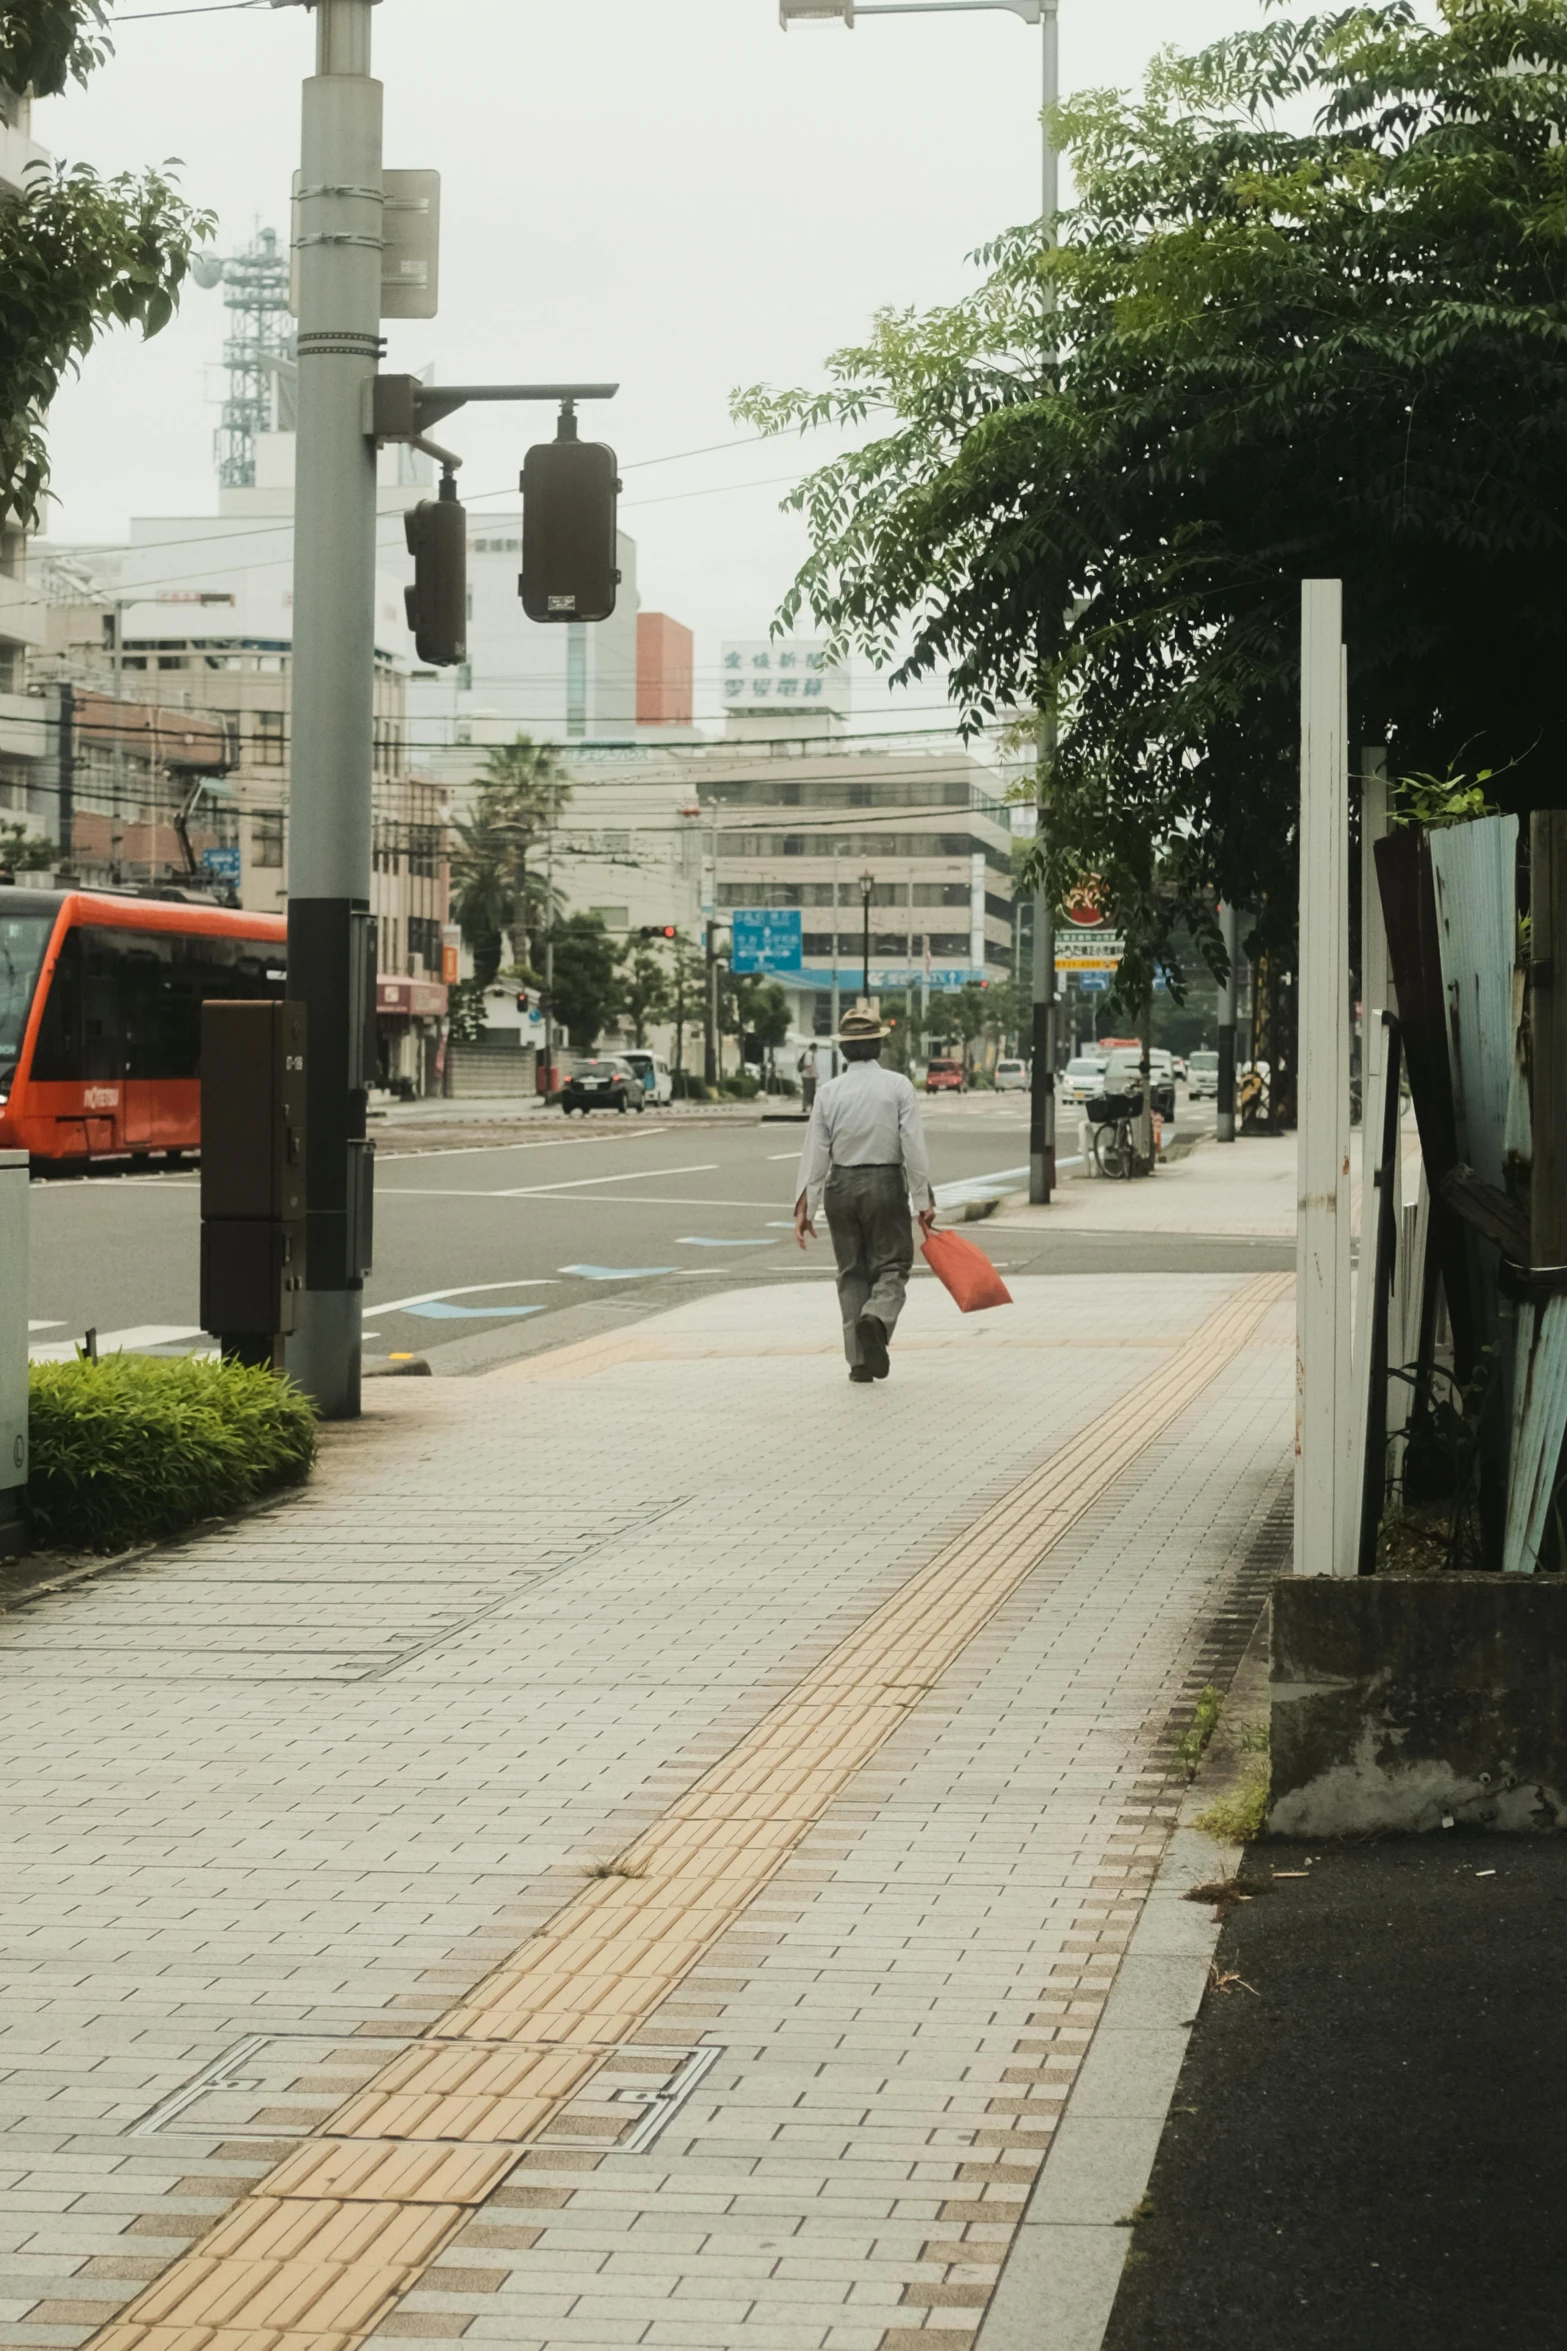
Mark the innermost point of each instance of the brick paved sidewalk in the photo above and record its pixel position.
(636, 1852)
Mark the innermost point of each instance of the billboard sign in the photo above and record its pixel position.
(222, 864)
(781, 674)
(767, 938)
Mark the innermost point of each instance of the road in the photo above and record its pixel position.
(480, 1247)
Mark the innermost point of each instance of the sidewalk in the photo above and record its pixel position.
(654, 1882)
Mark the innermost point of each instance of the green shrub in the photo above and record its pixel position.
(138, 1446)
(688, 1088)
(740, 1089)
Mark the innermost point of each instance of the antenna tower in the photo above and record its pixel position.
(258, 354)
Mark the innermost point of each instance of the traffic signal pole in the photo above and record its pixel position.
(339, 278)
(1042, 1037)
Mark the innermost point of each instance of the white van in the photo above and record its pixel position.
(653, 1070)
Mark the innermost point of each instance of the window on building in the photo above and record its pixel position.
(266, 840)
(616, 844)
(269, 737)
(614, 918)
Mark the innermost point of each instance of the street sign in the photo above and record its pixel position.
(767, 938)
(1089, 950)
(222, 864)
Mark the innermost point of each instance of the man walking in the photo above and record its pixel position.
(865, 1154)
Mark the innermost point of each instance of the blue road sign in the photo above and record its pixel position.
(223, 863)
(767, 938)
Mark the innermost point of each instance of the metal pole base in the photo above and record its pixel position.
(323, 1355)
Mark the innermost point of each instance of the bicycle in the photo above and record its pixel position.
(1115, 1149)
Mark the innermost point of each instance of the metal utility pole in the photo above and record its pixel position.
(329, 940)
(837, 1003)
(1042, 1067)
(867, 894)
(1229, 1014)
(67, 756)
(549, 955)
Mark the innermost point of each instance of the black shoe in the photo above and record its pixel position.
(860, 1376)
(873, 1345)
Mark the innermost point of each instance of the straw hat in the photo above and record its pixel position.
(860, 1027)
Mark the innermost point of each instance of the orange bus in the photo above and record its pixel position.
(100, 1016)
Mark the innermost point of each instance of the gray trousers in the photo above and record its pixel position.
(873, 1241)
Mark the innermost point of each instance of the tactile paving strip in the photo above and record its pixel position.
(324, 2247)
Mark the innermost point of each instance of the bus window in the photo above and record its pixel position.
(127, 1004)
(23, 939)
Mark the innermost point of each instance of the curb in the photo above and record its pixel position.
(1060, 2280)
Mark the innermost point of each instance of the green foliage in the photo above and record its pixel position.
(78, 253)
(1192, 1743)
(24, 852)
(760, 1010)
(1436, 801)
(138, 1446)
(589, 989)
(46, 43)
(1309, 320)
(688, 981)
(465, 1011)
(1241, 1817)
(647, 993)
(496, 898)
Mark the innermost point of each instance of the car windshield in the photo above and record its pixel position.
(1083, 1068)
(23, 938)
(1202, 1061)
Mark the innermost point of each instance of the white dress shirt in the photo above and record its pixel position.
(868, 1117)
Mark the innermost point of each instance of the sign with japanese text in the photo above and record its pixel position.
(783, 673)
(767, 938)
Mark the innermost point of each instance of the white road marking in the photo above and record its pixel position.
(559, 1143)
(638, 1175)
(469, 1290)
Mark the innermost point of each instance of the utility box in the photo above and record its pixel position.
(253, 1073)
(13, 1349)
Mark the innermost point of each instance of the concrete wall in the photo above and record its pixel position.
(1412, 1702)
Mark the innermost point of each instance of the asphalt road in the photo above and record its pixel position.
(480, 1247)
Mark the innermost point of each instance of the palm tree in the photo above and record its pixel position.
(496, 900)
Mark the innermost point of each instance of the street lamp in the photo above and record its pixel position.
(1045, 13)
(867, 895)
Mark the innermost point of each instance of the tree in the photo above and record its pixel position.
(78, 254)
(589, 990)
(497, 901)
(645, 990)
(1276, 352)
(688, 987)
(24, 852)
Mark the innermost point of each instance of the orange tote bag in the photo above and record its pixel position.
(964, 1270)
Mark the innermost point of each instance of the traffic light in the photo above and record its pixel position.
(522, 999)
(569, 493)
(438, 600)
(657, 930)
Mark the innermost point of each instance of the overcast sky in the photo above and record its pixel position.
(671, 193)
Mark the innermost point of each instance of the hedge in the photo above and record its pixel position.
(137, 1446)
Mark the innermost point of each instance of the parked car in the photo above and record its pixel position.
(945, 1077)
(1083, 1078)
(658, 1081)
(603, 1083)
(1011, 1077)
(1202, 1075)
